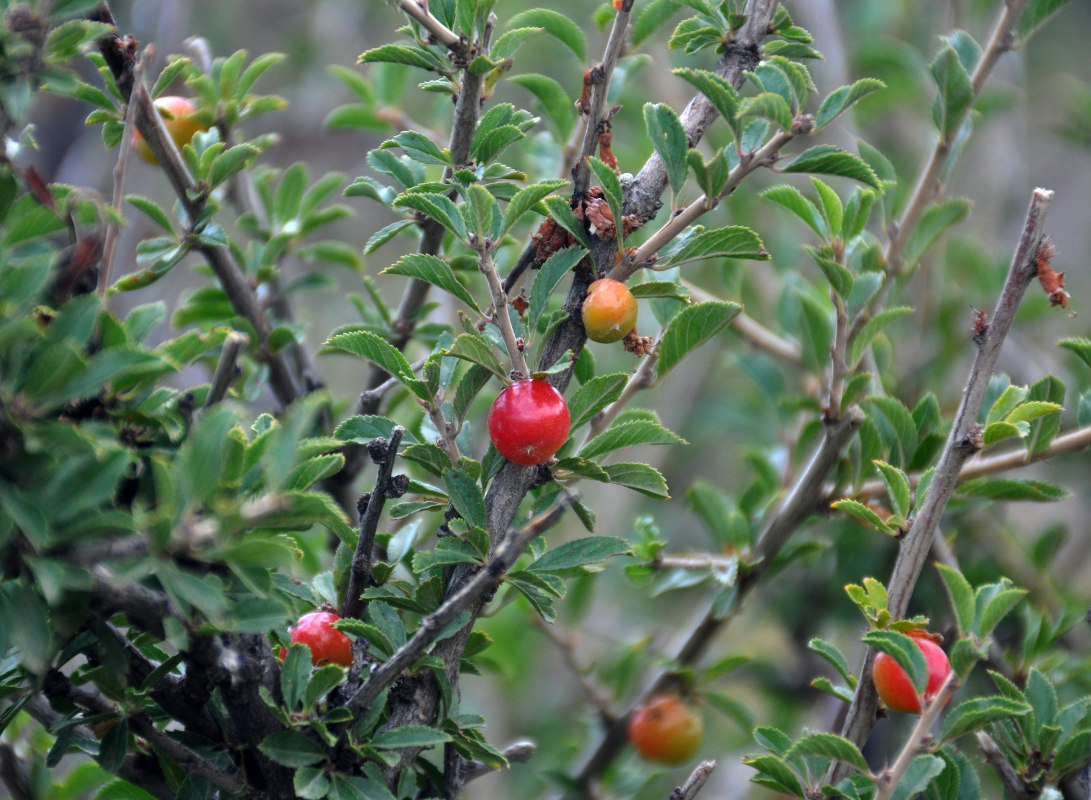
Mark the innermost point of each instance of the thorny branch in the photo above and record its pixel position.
(962, 442)
(695, 782)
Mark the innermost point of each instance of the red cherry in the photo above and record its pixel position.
(328, 645)
(666, 730)
(897, 691)
(528, 422)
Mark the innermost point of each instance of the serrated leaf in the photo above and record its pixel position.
(594, 395)
(476, 349)
(292, 749)
(955, 95)
(717, 89)
(774, 773)
(152, 210)
(832, 654)
(480, 213)
(824, 684)
(841, 99)
(378, 351)
(832, 210)
(936, 219)
(528, 197)
(449, 551)
(978, 712)
(562, 214)
(840, 277)
(402, 54)
(872, 328)
(556, 25)
(420, 148)
(790, 198)
(436, 206)
(768, 106)
(711, 176)
(552, 99)
(904, 650)
(733, 241)
(230, 162)
(897, 487)
(611, 188)
(996, 608)
(691, 327)
(961, 595)
(922, 770)
(1032, 410)
(999, 431)
(669, 140)
(1036, 14)
(466, 496)
(552, 271)
(1012, 489)
(855, 508)
(639, 477)
(629, 434)
(581, 552)
(361, 429)
(832, 746)
(433, 270)
(1078, 345)
(827, 159)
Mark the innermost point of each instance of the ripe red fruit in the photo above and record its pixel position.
(528, 422)
(666, 730)
(894, 687)
(328, 645)
(177, 113)
(609, 312)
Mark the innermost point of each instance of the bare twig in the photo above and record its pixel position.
(485, 581)
(418, 10)
(227, 368)
(694, 562)
(500, 316)
(962, 442)
(1003, 768)
(695, 782)
(360, 576)
(918, 740)
(566, 646)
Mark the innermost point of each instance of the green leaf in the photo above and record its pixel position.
(790, 198)
(401, 54)
(552, 271)
(351, 787)
(832, 746)
(552, 99)
(961, 595)
(595, 395)
(669, 140)
(642, 478)
(310, 783)
(712, 176)
(466, 496)
(449, 550)
(378, 351)
(872, 328)
(855, 508)
(292, 749)
(438, 207)
(691, 327)
(312, 471)
(827, 159)
(1036, 14)
(1032, 410)
(652, 16)
(994, 605)
(841, 99)
(978, 712)
(1043, 431)
(581, 552)
(562, 214)
(630, 434)
(611, 188)
(897, 487)
(481, 213)
(839, 277)
(904, 650)
(361, 429)
(477, 350)
(420, 148)
(409, 736)
(936, 219)
(555, 24)
(955, 95)
(832, 654)
(1012, 489)
(230, 162)
(1080, 346)
(734, 241)
(718, 90)
(774, 773)
(152, 211)
(528, 197)
(922, 770)
(832, 211)
(768, 106)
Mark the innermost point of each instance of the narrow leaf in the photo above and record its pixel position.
(690, 328)
(433, 270)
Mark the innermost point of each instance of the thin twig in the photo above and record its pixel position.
(360, 576)
(1003, 768)
(486, 580)
(500, 316)
(695, 782)
(979, 466)
(694, 562)
(227, 368)
(918, 740)
(566, 646)
(441, 33)
(962, 442)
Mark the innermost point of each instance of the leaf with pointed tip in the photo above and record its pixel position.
(768, 106)
(956, 93)
(977, 712)
(556, 25)
(420, 148)
(562, 214)
(436, 206)
(897, 487)
(594, 395)
(790, 198)
(832, 654)
(642, 478)
(841, 99)
(872, 328)
(466, 496)
(669, 140)
(691, 327)
(855, 508)
(1012, 489)
(711, 176)
(904, 650)
(717, 89)
(961, 595)
(380, 352)
(553, 270)
(528, 197)
(629, 434)
(476, 349)
(733, 241)
(828, 159)
(611, 190)
(831, 746)
(552, 99)
(433, 270)
(934, 221)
